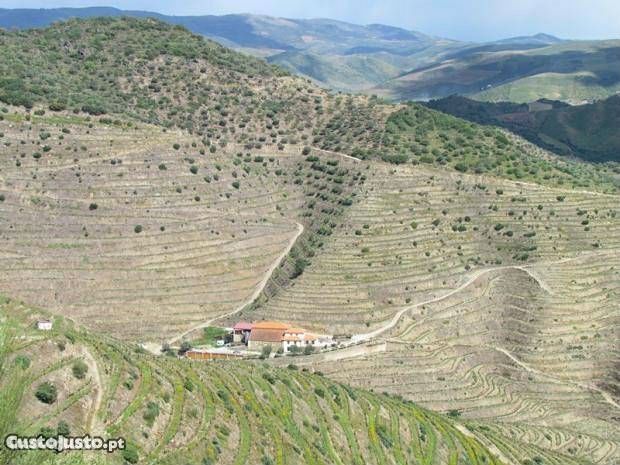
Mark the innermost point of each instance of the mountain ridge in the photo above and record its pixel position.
(344, 56)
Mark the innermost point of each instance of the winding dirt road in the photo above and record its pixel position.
(259, 288)
(357, 338)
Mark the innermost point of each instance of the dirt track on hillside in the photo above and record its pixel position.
(257, 291)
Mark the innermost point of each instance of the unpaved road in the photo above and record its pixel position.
(94, 426)
(259, 288)
(357, 338)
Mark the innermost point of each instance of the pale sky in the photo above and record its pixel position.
(476, 20)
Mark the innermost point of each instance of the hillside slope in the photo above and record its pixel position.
(462, 266)
(155, 73)
(174, 411)
(585, 131)
(571, 71)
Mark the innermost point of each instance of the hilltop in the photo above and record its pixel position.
(392, 62)
(333, 53)
(160, 74)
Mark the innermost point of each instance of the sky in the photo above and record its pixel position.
(474, 20)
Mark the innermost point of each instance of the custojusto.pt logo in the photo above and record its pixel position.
(62, 443)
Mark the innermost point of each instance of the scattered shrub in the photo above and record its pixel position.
(22, 361)
(151, 412)
(79, 369)
(47, 393)
(130, 454)
(63, 429)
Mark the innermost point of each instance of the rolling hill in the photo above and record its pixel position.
(333, 53)
(570, 71)
(393, 62)
(153, 182)
(585, 131)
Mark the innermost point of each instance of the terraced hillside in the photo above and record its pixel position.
(147, 71)
(108, 225)
(495, 300)
(475, 273)
(464, 317)
(415, 234)
(175, 411)
(415, 134)
(535, 349)
(106, 222)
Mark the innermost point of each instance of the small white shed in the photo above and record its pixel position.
(44, 325)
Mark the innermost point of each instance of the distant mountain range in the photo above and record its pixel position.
(393, 62)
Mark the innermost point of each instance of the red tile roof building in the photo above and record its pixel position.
(279, 335)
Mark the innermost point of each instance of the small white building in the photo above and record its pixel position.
(297, 337)
(44, 325)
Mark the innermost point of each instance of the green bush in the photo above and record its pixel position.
(57, 106)
(79, 369)
(395, 158)
(151, 412)
(265, 352)
(47, 393)
(188, 385)
(63, 429)
(22, 361)
(130, 454)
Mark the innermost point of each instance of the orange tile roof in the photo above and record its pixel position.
(266, 335)
(269, 325)
(291, 338)
(295, 330)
